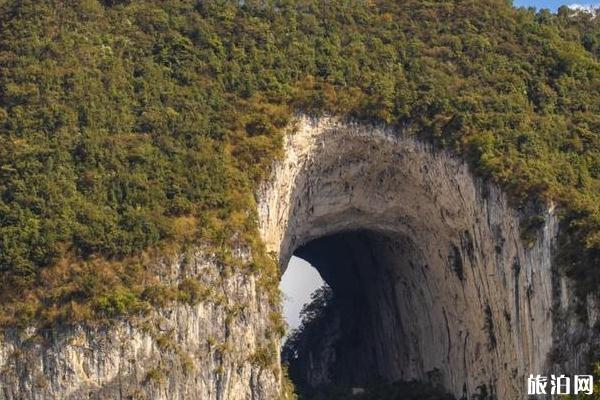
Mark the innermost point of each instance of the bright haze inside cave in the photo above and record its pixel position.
(299, 281)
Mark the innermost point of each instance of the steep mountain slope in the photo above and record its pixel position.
(135, 135)
(127, 125)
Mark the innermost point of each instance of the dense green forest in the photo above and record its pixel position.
(132, 128)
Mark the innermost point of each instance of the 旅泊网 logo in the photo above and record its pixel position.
(560, 384)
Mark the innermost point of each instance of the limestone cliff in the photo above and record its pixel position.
(203, 351)
(431, 275)
(429, 261)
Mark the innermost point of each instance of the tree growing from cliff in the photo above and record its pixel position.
(311, 317)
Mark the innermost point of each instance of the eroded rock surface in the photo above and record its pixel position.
(440, 286)
(201, 351)
(430, 264)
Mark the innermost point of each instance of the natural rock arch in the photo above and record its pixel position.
(434, 254)
(448, 286)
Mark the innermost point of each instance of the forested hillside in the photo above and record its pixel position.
(133, 128)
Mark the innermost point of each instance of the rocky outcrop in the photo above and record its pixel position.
(433, 280)
(209, 350)
(427, 262)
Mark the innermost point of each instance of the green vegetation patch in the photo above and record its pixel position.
(131, 126)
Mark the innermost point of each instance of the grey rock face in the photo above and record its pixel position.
(428, 263)
(448, 290)
(202, 351)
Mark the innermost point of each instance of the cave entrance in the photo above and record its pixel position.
(371, 322)
(429, 277)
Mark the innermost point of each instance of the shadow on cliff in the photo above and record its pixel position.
(318, 318)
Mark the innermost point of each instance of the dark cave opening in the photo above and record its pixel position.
(420, 259)
(356, 335)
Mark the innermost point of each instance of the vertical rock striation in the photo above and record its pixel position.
(427, 263)
(201, 351)
(432, 278)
